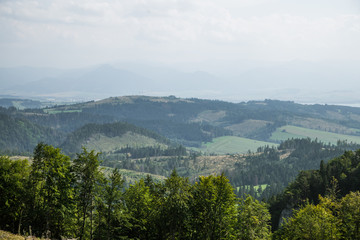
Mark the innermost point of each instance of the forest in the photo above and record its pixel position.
(132, 168)
(58, 197)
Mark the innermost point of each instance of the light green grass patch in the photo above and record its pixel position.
(232, 144)
(54, 111)
(102, 143)
(132, 176)
(286, 132)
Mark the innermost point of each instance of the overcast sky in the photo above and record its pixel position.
(64, 33)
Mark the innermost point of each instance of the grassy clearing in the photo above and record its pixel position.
(286, 132)
(54, 111)
(210, 116)
(323, 125)
(247, 127)
(102, 143)
(232, 144)
(133, 176)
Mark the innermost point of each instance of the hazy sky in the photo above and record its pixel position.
(64, 33)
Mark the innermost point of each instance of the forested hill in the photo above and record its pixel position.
(110, 137)
(262, 116)
(334, 179)
(18, 135)
(193, 122)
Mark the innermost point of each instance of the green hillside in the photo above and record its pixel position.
(103, 143)
(193, 122)
(288, 132)
(110, 137)
(232, 144)
(21, 135)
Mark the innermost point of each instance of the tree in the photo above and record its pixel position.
(311, 222)
(87, 175)
(175, 211)
(51, 180)
(139, 203)
(14, 176)
(114, 203)
(350, 215)
(253, 220)
(110, 207)
(213, 208)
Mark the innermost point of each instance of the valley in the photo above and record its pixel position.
(267, 150)
(154, 135)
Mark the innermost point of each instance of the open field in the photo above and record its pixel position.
(54, 111)
(286, 132)
(232, 144)
(247, 127)
(102, 143)
(132, 176)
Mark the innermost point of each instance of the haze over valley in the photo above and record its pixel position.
(229, 50)
(158, 119)
(299, 81)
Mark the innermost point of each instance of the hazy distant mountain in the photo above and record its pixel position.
(101, 81)
(306, 82)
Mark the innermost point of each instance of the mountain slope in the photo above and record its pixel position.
(110, 137)
(20, 135)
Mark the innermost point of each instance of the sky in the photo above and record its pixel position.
(69, 33)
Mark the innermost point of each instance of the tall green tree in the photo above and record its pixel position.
(114, 204)
(14, 176)
(213, 209)
(140, 205)
(253, 220)
(311, 222)
(110, 216)
(51, 181)
(87, 175)
(350, 215)
(175, 210)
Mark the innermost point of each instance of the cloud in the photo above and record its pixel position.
(163, 30)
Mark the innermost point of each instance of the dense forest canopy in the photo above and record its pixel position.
(56, 197)
(146, 176)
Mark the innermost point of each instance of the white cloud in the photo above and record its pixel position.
(168, 30)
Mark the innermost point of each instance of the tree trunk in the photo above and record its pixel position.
(20, 220)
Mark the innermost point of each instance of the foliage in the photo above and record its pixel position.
(77, 139)
(311, 222)
(56, 197)
(310, 184)
(349, 214)
(87, 177)
(13, 184)
(213, 208)
(253, 220)
(51, 188)
(21, 135)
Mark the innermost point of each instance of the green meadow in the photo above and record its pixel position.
(286, 132)
(232, 144)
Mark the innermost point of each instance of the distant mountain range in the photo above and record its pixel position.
(191, 122)
(304, 82)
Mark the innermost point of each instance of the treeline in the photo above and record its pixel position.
(57, 198)
(336, 178)
(73, 142)
(188, 134)
(21, 136)
(167, 121)
(276, 167)
(152, 151)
